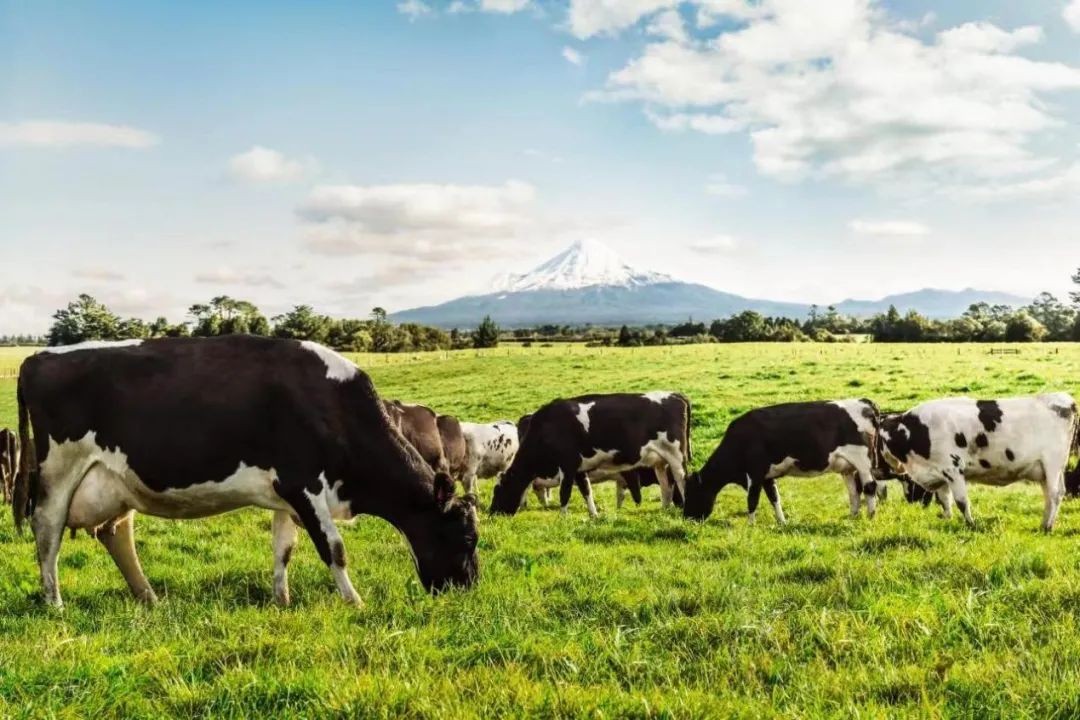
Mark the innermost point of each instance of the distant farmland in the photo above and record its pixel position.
(637, 614)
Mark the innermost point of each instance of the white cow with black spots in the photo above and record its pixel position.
(943, 445)
(489, 450)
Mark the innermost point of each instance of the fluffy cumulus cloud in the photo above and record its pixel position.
(426, 223)
(572, 56)
(889, 228)
(1072, 15)
(60, 134)
(263, 165)
(839, 89)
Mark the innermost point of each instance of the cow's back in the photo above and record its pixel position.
(181, 410)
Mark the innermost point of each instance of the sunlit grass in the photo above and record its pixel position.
(636, 614)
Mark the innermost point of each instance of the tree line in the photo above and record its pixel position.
(86, 318)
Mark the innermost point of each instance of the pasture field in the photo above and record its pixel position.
(636, 614)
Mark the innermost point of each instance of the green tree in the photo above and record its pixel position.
(487, 334)
(1022, 327)
(302, 323)
(1056, 316)
(83, 319)
(224, 315)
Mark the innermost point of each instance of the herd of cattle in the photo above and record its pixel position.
(184, 428)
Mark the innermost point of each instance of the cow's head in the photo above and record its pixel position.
(891, 447)
(506, 495)
(523, 426)
(447, 556)
(703, 486)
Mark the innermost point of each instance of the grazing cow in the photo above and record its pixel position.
(454, 447)
(629, 480)
(800, 439)
(942, 445)
(566, 440)
(419, 425)
(188, 427)
(489, 450)
(9, 459)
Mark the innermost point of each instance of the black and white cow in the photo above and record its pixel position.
(186, 428)
(803, 439)
(568, 439)
(9, 458)
(489, 450)
(625, 481)
(942, 445)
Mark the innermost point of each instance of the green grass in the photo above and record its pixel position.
(637, 614)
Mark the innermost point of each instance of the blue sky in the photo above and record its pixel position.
(392, 153)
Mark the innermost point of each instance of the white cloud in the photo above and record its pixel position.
(889, 228)
(225, 275)
(60, 134)
(503, 6)
(597, 17)
(669, 25)
(263, 165)
(720, 186)
(716, 245)
(572, 56)
(98, 274)
(414, 9)
(1072, 15)
(422, 221)
(1062, 184)
(835, 89)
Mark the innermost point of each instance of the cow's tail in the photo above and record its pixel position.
(1072, 477)
(688, 455)
(20, 505)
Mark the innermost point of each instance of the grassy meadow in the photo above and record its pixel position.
(636, 614)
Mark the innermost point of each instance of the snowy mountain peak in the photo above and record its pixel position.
(586, 263)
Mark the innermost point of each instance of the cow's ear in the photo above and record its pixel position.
(444, 489)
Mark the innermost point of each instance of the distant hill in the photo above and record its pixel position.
(588, 283)
(930, 302)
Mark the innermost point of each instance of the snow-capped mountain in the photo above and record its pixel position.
(588, 283)
(586, 263)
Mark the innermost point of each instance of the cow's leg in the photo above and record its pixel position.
(633, 484)
(314, 513)
(468, 480)
(48, 522)
(620, 491)
(769, 485)
(944, 498)
(958, 486)
(566, 488)
(753, 496)
(582, 481)
(853, 493)
(283, 534)
(543, 494)
(864, 468)
(666, 491)
(119, 539)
